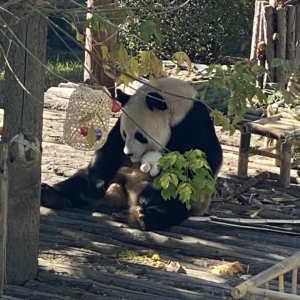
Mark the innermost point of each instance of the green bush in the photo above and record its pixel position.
(204, 29)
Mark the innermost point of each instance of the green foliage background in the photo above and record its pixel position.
(204, 29)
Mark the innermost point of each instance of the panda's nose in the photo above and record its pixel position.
(130, 154)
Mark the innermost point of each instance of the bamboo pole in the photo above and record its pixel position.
(3, 212)
(294, 281)
(281, 42)
(267, 288)
(269, 274)
(291, 23)
(271, 294)
(281, 283)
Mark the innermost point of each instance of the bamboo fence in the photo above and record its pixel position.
(253, 285)
(276, 33)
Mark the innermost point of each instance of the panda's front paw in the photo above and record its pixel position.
(136, 218)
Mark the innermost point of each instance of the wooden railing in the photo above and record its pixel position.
(253, 285)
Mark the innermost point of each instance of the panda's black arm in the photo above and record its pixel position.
(105, 163)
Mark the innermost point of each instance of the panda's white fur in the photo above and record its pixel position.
(158, 131)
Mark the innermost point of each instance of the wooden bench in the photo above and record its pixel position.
(282, 128)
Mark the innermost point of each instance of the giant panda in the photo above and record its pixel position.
(166, 117)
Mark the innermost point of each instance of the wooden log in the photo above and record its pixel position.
(135, 287)
(60, 288)
(3, 212)
(135, 237)
(231, 239)
(196, 280)
(255, 30)
(60, 92)
(269, 274)
(291, 34)
(270, 45)
(281, 40)
(23, 293)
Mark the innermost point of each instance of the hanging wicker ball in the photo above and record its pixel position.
(87, 119)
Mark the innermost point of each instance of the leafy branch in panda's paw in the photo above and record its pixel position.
(185, 176)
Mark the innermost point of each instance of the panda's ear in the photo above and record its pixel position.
(156, 101)
(122, 97)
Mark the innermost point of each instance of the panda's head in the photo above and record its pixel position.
(149, 115)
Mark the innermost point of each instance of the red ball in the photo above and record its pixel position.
(116, 107)
(84, 130)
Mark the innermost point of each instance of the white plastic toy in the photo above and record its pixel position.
(149, 162)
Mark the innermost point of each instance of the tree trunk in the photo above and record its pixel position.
(94, 40)
(22, 109)
(3, 212)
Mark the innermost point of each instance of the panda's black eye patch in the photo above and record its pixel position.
(139, 137)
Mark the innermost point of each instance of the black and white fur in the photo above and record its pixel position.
(152, 120)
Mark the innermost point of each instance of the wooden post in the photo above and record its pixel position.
(285, 166)
(291, 23)
(281, 42)
(24, 109)
(3, 212)
(244, 154)
(255, 31)
(95, 38)
(270, 47)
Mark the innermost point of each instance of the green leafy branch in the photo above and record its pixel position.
(239, 81)
(186, 176)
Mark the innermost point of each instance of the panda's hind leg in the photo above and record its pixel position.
(155, 213)
(68, 193)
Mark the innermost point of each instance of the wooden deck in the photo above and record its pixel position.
(84, 256)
